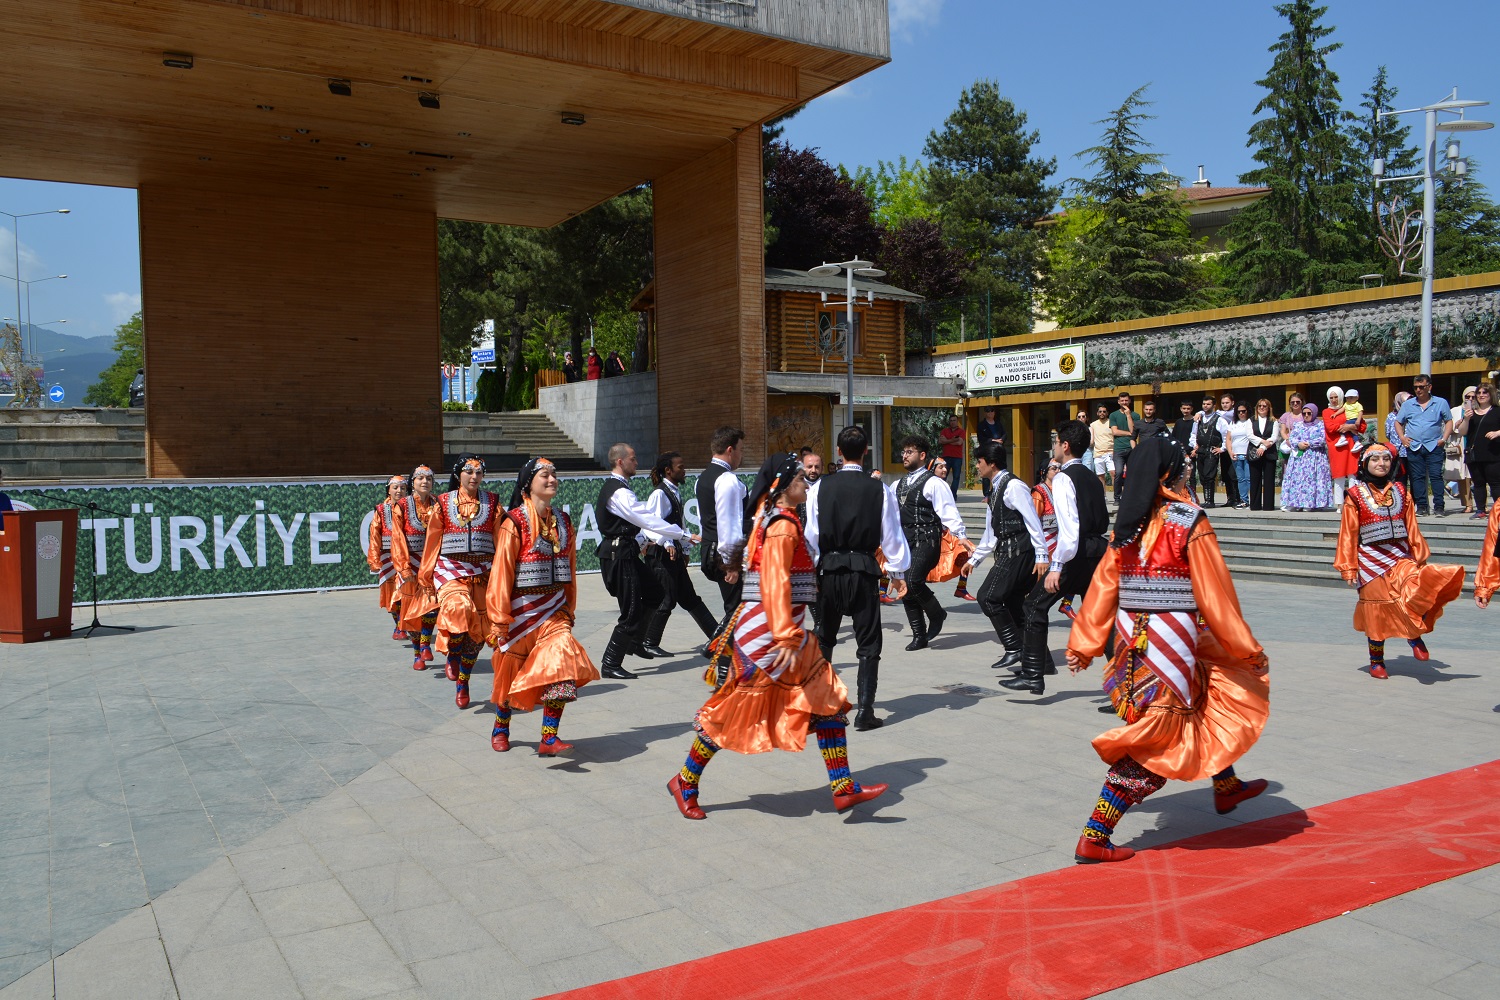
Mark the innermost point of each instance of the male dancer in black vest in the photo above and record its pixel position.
(927, 508)
(849, 516)
(1013, 534)
(1210, 438)
(721, 511)
(621, 516)
(1082, 529)
(667, 559)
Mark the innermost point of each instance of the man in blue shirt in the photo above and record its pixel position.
(4, 502)
(1423, 424)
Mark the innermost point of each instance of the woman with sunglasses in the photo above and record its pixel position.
(1480, 427)
(1292, 416)
(1265, 433)
(1240, 433)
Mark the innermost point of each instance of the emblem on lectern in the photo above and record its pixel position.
(48, 546)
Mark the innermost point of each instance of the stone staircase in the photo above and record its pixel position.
(1295, 548)
(73, 445)
(507, 440)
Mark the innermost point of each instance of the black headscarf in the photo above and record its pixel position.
(1151, 462)
(774, 463)
(1364, 474)
(458, 467)
(528, 472)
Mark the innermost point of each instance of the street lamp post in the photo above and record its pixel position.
(29, 314)
(864, 269)
(15, 222)
(1428, 177)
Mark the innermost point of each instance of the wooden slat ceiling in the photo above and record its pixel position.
(88, 100)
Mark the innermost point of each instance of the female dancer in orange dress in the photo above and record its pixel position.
(532, 599)
(1187, 677)
(461, 533)
(1488, 577)
(408, 545)
(378, 552)
(780, 685)
(1382, 552)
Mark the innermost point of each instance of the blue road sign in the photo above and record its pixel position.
(483, 357)
(55, 394)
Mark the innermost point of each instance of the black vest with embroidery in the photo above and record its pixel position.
(919, 517)
(1093, 512)
(1005, 523)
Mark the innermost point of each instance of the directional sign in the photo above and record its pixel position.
(483, 356)
(55, 394)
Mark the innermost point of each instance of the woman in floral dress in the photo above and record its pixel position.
(1307, 484)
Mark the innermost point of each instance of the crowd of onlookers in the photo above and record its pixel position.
(593, 367)
(1443, 452)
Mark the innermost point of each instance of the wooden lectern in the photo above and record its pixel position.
(37, 552)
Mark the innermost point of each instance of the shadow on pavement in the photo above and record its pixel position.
(898, 774)
(615, 747)
(913, 705)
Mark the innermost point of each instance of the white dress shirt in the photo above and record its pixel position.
(1065, 501)
(729, 511)
(892, 538)
(1256, 440)
(625, 504)
(1017, 497)
(659, 504)
(940, 496)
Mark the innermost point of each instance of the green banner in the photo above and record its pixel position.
(178, 540)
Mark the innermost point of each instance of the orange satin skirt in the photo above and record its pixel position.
(461, 608)
(547, 655)
(414, 604)
(1406, 602)
(387, 592)
(761, 714)
(1190, 744)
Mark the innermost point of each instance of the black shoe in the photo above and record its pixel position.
(1049, 668)
(866, 720)
(618, 673)
(1209, 504)
(1107, 710)
(1021, 682)
(704, 651)
(920, 642)
(935, 623)
(643, 651)
(653, 650)
(1012, 658)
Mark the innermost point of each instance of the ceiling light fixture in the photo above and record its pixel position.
(363, 145)
(573, 118)
(428, 100)
(303, 131)
(265, 107)
(343, 88)
(465, 135)
(177, 60)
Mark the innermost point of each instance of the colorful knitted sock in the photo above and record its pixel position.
(468, 658)
(502, 721)
(701, 752)
(1417, 643)
(834, 746)
(429, 623)
(1377, 652)
(1226, 782)
(1107, 812)
(552, 710)
(1126, 784)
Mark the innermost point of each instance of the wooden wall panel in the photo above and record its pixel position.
(791, 336)
(710, 300)
(287, 337)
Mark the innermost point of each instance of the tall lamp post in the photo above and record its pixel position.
(15, 225)
(864, 269)
(29, 314)
(1456, 164)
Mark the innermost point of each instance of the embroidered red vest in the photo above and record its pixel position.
(386, 525)
(804, 573)
(540, 568)
(1161, 582)
(415, 529)
(1048, 515)
(473, 541)
(1377, 523)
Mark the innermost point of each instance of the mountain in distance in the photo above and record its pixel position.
(77, 366)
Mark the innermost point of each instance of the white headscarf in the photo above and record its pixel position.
(1335, 396)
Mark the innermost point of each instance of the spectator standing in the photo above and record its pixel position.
(1293, 415)
(569, 367)
(1082, 416)
(1240, 431)
(5, 503)
(1102, 444)
(1456, 467)
(1232, 495)
(989, 429)
(1122, 427)
(1424, 423)
(1182, 433)
(613, 365)
(1265, 432)
(1402, 474)
(953, 450)
(1150, 424)
(1210, 433)
(595, 365)
(1343, 463)
(1481, 430)
(1306, 484)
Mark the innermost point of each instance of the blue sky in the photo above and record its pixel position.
(1066, 64)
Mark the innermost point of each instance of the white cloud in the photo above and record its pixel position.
(30, 265)
(908, 14)
(122, 305)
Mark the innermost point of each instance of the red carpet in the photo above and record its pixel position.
(1086, 929)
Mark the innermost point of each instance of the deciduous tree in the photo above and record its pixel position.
(816, 214)
(113, 385)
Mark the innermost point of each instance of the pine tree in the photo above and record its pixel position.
(1303, 238)
(991, 193)
(1125, 249)
(1467, 240)
(1387, 139)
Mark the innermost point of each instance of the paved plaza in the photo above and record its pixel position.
(257, 797)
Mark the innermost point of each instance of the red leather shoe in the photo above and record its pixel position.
(865, 794)
(452, 672)
(418, 663)
(1248, 790)
(499, 742)
(552, 749)
(1419, 650)
(462, 698)
(1092, 852)
(1377, 671)
(427, 653)
(689, 809)
(399, 635)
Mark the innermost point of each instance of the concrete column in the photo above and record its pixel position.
(710, 300)
(287, 336)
